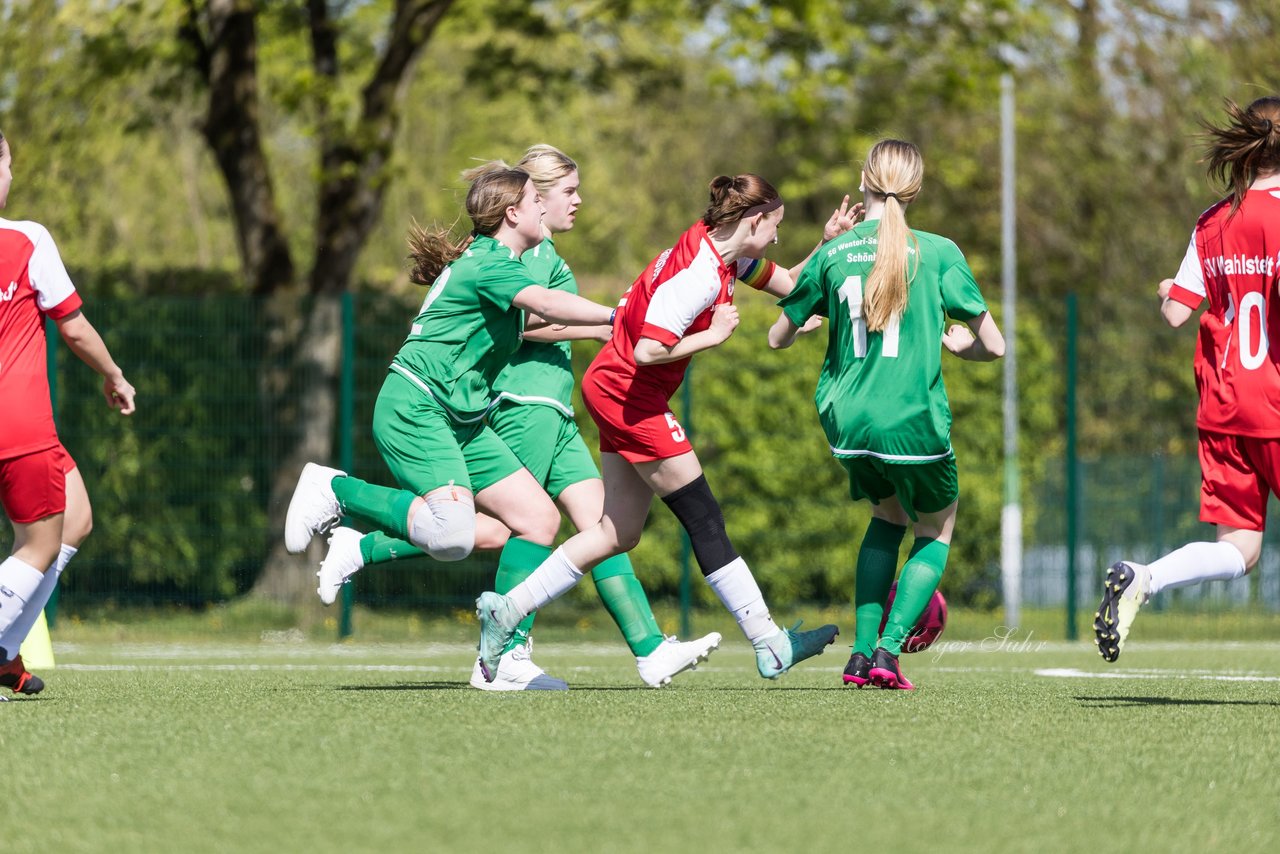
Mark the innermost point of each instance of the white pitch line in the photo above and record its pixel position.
(1072, 673)
(311, 668)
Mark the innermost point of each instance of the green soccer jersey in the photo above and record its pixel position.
(881, 393)
(540, 372)
(467, 329)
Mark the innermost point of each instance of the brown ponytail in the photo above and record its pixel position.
(1246, 147)
(732, 198)
(495, 186)
(430, 251)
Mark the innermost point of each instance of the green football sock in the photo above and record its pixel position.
(517, 562)
(387, 509)
(877, 565)
(378, 547)
(626, 602)
(919, 579)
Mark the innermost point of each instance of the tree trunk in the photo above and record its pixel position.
(304, 414)
(298, 378)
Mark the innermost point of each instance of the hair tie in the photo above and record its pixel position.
(1270, 125)
(893, 196)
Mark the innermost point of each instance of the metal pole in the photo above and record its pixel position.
(1073, 470)
(346, 418)
(686, 548)
(1011, 516)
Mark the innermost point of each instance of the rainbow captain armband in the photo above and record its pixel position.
(755, 272)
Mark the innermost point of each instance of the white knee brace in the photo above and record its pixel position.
(445, 528)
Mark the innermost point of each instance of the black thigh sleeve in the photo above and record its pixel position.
(700, 514)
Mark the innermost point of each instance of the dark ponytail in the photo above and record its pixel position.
(1246, 147)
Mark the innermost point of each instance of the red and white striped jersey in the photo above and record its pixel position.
(33, 284)
(674, 297)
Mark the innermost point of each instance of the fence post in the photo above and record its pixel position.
(346, 417)
(686, 548)
(1073, 470)
(51, 361)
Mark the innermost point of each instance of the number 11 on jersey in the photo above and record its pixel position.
(851, 293)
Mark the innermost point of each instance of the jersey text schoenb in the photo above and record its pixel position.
(1234, 263)
(33, 284)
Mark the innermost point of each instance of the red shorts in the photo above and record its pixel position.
(34, 486)
(639, 430)
(1237, 475)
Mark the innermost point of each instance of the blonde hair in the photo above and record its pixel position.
(895, 170)
(495, 186)
(546, 165)
(1249, 145)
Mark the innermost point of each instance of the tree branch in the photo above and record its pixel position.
(351, 193)
(189, 32)
(233, 131)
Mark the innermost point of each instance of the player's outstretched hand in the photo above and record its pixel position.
(119, 394)
(814, 322)
(958, 339)
(842, 219)
(724, 319)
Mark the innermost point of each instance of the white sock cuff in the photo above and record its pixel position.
(65, 554)
(1194, 563)
(19, 581)
(19, 578)
(738, 591)
(556, 576)
(11, 638)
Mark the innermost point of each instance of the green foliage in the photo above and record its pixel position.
(653, 99)
(179, 488)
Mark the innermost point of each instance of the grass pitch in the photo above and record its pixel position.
(289, 744)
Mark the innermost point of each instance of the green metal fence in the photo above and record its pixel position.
(180, 488)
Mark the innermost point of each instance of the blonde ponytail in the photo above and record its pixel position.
(895, 170)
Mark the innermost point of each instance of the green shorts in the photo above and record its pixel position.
(919, 487)
(547, 442)
(426, 449)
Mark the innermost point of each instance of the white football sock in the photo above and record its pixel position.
(553, 577)
(11, 640)
(18, 583)
(737, 589)
(1196, 562)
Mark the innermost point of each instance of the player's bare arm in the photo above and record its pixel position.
(538, 329)
(980, 341)
(1174, 313)
(784, 332)
(841, 220)
(562, 307)
(724, 319)
(87, 344)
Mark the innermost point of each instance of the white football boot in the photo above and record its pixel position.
(342, 561)
(673, 657)
(517, 672)
(1125, 590)
(313, 509)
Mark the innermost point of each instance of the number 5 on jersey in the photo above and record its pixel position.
(851, 293)
(677, 432)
